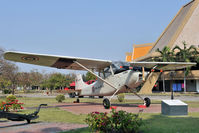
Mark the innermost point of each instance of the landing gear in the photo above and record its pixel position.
(77, 100)
(71, 95)
(106, 103)
(28, 121)
(147, 102)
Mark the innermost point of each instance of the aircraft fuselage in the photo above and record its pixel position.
(130, 78)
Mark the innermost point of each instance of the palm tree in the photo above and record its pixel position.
(166, 54)
(186, 55)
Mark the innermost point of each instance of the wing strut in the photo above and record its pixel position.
(143, 76)
(95, 74)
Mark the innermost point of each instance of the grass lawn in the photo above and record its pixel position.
(157, 123)
(57, 115)
(153, 123)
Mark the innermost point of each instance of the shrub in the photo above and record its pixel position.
(7, 91)
(120, 97)
(11, 103)
(60, 98)
(116, 122)
(11, 98)
(2, 103)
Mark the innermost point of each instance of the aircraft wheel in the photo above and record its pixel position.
(147, 101)
(106, 103)
(101, 96)
(78, 100)
(71, 95)
(28, 121)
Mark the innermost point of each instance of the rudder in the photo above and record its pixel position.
(79, 83)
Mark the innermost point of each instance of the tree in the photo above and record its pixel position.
(23, 79)
(166, 54)
(90, 76)
(9, 73)
(4, 80)
(4, 84)
(56, 81)
(180, 55)
(36, 78)
(186, 55)
(70, 78)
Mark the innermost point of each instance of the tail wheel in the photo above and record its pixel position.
(28, 121)
(77, 100)
(106, 103)
(71, 95)
(147, 102)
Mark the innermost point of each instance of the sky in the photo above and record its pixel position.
(99, 29)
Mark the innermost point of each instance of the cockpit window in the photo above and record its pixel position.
(116, 66)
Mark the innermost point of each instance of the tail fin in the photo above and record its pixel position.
(79, 83)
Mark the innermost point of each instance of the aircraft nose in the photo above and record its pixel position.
(136, 79)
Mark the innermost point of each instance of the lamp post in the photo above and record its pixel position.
(172, 74)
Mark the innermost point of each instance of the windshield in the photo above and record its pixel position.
(116, 66)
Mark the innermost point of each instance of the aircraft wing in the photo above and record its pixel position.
(61, 62)
(164, 65)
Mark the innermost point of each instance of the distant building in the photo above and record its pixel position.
(139, 50)
(183, 27)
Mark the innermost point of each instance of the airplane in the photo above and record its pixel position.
(112, 78)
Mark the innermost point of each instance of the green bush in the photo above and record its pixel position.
(11, 103)
(60, 98)
(7, 91)
(2, 105)
(120, 97)
(11, 98)
(116, 122)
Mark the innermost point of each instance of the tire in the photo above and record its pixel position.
(147, 101)
(101, 96)
(28, 121)
(78, 100)
(106, 103)
(71, 95)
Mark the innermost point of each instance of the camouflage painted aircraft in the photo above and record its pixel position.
(113, 77)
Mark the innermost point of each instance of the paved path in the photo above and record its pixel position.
(154, 97)
(85, 108)
(37, 127)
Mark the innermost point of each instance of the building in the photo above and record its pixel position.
(139, 50)
(183, 27)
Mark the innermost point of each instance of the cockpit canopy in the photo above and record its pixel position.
(119, 67)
